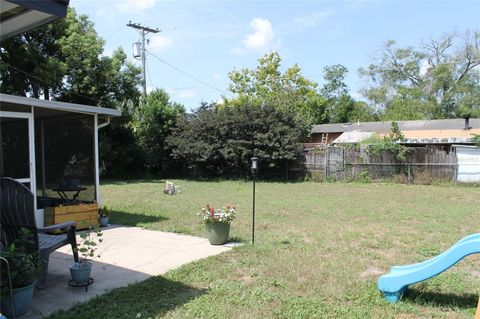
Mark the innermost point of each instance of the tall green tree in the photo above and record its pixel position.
(266, 84)
(32, 62)
(293, 92)
(64, 61)
(195, 142)
(219, 142)
(341, 107)
(438, 80)
(153, 122)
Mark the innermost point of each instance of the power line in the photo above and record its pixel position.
(182, 88)
(50, 84)
(187, 74)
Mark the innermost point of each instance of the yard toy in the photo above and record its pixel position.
(394, 284)
(170, 189)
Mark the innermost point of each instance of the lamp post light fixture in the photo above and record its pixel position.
(254, 169)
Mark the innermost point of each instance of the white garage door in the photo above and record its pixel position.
(468, 160)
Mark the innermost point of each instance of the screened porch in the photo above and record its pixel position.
(52, 148)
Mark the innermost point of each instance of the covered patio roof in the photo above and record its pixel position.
(18, 16)
(7, 99)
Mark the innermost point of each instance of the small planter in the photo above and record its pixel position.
(81, 272)
(218, 233)
(23, 299)
(85, 215)
(103, 221)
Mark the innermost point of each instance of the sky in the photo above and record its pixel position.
(202, 41)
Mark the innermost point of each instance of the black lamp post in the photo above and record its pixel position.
(254, 169)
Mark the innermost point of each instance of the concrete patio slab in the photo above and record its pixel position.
(128, 255)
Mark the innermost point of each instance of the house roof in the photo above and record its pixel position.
(352, 137)
(13, 100)
(17, 16)
(386, 126)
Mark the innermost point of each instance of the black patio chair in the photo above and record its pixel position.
(17, 212)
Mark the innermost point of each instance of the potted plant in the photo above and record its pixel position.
(87, 247)
(25, 266)
(217, 223)
(103, 216)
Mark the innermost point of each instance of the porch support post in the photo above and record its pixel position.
(97, 166)
(31, 144)
(42, 143)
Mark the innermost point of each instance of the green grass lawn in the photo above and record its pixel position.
(319, 250)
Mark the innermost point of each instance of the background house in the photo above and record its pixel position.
(438, 150)
(419, 132)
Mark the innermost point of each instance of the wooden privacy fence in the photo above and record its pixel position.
(326, 163)
(423, 165)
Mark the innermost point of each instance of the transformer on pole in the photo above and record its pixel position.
(139, 49)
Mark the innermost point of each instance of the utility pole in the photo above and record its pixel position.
(143, 31)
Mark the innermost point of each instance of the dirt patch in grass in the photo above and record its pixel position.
(372, 272)
(243, 277)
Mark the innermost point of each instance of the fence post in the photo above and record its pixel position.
(455, 174)
(409, 174)
(326, 163)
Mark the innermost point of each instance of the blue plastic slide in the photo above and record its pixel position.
(394, 284)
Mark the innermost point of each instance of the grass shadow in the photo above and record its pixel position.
(132, 181)
(463, 301)
(132, 219)
(151, 298)
(237, 239)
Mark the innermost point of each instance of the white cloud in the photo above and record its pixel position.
(262, 39)
(262, 36)
(216, 76)
(135, 5)
(159, 43)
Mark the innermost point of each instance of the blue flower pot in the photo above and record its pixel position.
(80, 272)
(23, 299)
(103, 221)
